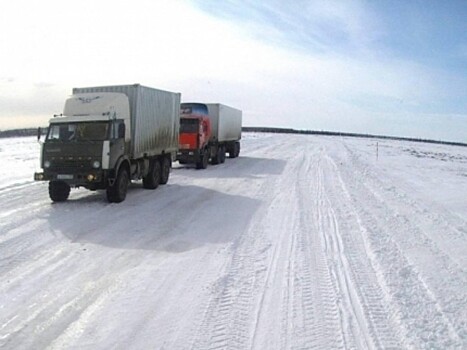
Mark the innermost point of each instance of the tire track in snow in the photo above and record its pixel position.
(229, 313)
(397, 196)
(25, 239)
(315, 299)
(304, 267)
(372, 326)
(49, 317)
(336, 312)
(272, 326)
(240, 298)
(425, 325)
(226, 318)
(51, 262)
(14, 207)
(22, 237)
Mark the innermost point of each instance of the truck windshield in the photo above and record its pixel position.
(189, 125)
(96, 131)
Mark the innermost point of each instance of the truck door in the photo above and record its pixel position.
(205, 132)
(116, 146)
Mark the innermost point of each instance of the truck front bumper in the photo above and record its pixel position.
(189, 156)
(93, 179)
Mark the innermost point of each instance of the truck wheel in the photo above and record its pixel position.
(234, 150)
(117, 192)
(203, 162)
(216, 159)
(59, 191)
(237, 149)
(153, 179)
(165, 170)
(222, 154)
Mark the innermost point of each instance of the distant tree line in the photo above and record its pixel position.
(19, 132)
(33, 132)
(346, 134)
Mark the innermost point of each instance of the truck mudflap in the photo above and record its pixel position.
(110, 178)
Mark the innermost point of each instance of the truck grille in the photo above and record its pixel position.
(71, 164)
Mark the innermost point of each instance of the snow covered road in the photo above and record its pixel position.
(304, 242)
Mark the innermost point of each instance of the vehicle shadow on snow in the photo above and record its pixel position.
(173, 219)
(250, 167)
(82, 195)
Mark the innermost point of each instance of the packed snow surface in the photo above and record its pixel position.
(303, 242)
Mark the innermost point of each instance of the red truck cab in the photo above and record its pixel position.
(195, 132)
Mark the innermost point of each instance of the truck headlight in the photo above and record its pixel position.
(46, 164)
(96, 164)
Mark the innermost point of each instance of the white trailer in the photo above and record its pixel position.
(226, 122)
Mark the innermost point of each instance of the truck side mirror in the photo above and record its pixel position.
(39, 133)
(121, 131)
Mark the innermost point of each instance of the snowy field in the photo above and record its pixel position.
(304, 242)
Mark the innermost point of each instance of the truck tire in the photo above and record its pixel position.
(165, 170)
(222, 154)
(216, 159)
(153, 179)
(59, 191)
(117, 192)
(203, 162)
(234, 150)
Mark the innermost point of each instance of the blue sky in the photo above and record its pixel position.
(430, 32)
(382, 67)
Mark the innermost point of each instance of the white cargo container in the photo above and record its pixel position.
(226, 122)
(154, 115)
